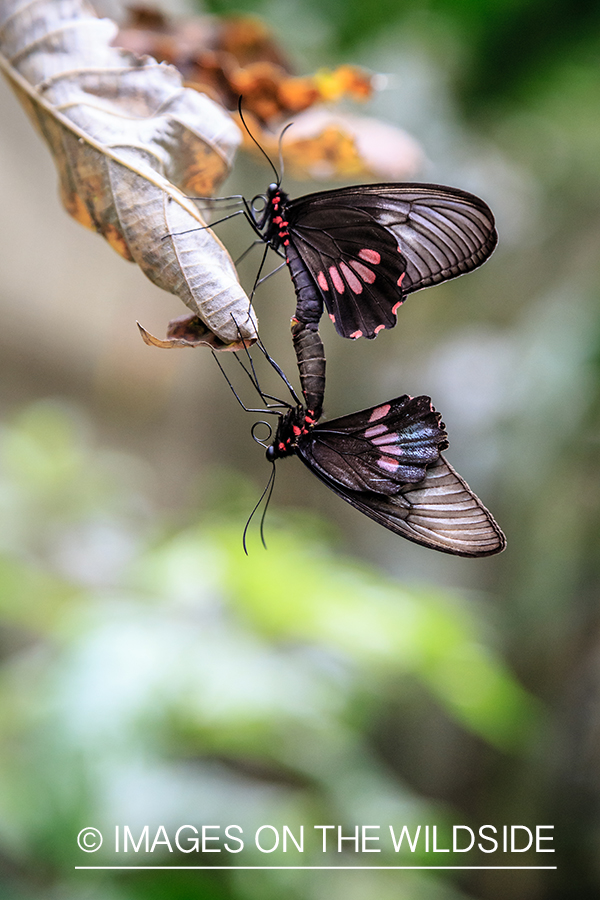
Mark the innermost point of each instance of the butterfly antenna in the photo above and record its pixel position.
(253, 139)
(289, 125)
(269, 489)
(267, 501)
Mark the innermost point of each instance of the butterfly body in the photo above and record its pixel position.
(358, 251)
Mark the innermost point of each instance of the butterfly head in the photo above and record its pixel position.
(297, 422)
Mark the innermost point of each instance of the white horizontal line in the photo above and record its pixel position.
(313, 868)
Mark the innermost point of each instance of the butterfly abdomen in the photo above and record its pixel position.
(311, 365)
(309, 305)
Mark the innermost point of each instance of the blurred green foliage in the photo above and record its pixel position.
(180, 680)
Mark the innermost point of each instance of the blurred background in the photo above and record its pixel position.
(150, 673)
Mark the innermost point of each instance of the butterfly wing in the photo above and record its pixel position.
(440, 512)
(366, 247)
(386, 462)
(378, 449)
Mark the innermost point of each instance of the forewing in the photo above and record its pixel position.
(379, 449)
(360, 242)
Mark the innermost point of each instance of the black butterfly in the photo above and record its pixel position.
(360, 250)
(386, 461)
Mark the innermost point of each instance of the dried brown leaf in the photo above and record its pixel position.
(189, 331)
(129, 142)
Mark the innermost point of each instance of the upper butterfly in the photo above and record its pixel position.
(359, 250)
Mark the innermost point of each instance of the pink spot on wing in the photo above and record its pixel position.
(337, 280)
(375, 430)
(353, 283)
(371, 256)
(379, 412)
(332, 317)
(322, 281)
(390, 465)
(392, 449)
(396, 305)
(379, 328)
(366, 274)
(401, 279)
(356, 334)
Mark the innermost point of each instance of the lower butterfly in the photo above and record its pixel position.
(386, 461)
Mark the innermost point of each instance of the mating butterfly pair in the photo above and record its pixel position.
(358, 252)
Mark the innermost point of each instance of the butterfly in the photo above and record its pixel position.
(360, 250)
(386, 461)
